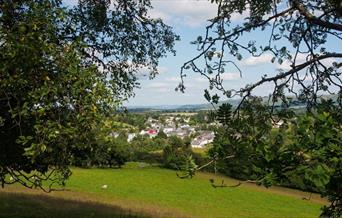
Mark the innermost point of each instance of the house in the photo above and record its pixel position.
(187, 120)
(203, 139)
(278, 124)
(188, 128)
(151, 120)
(185, 126)
(130, 137)
(157, 126)
(168, 129)
(143, 132)
(170, 133)
(181, 133)
(151, 132)
(170, 120)
(192, 130)
(114, 134)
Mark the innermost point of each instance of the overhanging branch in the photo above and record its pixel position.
(313, 19)
(292, 71)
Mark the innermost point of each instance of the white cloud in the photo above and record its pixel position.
(155, 13)
(201, 79)
(144, 71)
(239, 17)
(173, 79)
(184, 12)
(230, 76)
(159, 87)
(256, 61)
(286, 65)
(187, 12)
(301, 58)
(162, 70)
(328, 62)
(223, 76)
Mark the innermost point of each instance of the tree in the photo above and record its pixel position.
(105, 150)
(298, 33)
(177, 154)
(316, 143)
(246, 138)
(298, 36)
(62, 70)
(161, 135)
(304, 152)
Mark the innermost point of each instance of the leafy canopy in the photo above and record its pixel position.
(62, 70)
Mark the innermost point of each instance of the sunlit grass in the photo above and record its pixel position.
(201, 151)
(195, 197)
(157, 192)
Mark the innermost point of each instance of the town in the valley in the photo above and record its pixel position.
(195, 126)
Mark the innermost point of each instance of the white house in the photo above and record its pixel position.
(278, 124)
(130, 137)
(168, 129)
(114, 134)
(203, 139)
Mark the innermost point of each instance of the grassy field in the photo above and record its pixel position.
(202, 151)
(24, 205)
(151, 191)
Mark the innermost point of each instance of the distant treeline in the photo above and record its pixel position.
(292, 102)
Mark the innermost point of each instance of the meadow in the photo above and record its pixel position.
(141, 190)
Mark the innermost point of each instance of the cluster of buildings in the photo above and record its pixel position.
(174, 126)
(180, 127)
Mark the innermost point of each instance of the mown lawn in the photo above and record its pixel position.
(158, 192)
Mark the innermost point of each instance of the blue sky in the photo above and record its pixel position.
(188, 19)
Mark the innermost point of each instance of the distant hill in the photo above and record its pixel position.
(295, 103)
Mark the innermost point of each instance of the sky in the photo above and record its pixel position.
(189, 19)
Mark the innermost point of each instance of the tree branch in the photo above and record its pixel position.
(292, 71)
(313, 19)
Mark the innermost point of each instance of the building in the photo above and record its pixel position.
(130, 137)
(278, 124)
(151, 132)
(114, 134)
(168, 129)
(203, 139)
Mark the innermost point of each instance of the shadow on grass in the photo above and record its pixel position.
(20, 205)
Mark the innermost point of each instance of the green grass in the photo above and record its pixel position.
(160, 192)
(202, 151)
(21, 205)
